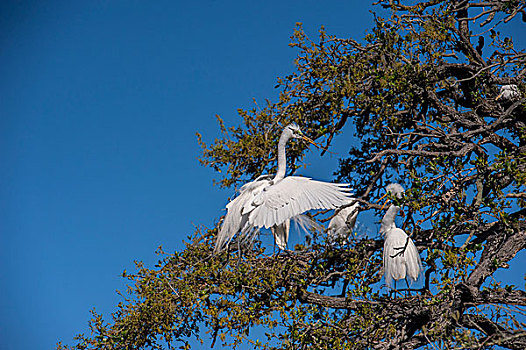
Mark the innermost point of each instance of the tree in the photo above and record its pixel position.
(421, 90)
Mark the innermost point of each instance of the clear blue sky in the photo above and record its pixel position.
(99, 105)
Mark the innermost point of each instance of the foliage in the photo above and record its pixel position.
(420, 90)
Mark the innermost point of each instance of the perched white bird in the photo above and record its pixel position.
(271, 203)
(509, 92)
(401, 258)
(343, 222)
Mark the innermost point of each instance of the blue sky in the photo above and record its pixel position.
(100, 102)
(99, 106)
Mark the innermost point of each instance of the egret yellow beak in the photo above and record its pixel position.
(500, 95)
(316, 144)
(309, 140)
(382, 197)
(386, 201)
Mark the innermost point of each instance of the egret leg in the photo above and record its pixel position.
(398, 293)
(393, 290)
(278, 250)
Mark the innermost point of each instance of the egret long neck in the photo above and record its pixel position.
(282, 157)
(388, 221)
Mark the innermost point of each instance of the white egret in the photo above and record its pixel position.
(272, 203)
(343, 222)
(509, 92)
(400, 256)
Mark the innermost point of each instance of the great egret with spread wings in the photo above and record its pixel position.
(272, 202)
(400, 256)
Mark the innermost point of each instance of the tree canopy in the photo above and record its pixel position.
(421, 90)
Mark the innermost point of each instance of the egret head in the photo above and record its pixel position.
(395, 189)
(294, 131)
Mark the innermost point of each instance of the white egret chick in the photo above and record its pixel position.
(343, 222)
(400, 256)
(272, 202)
(509, 92)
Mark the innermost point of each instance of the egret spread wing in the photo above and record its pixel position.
(292, 196)
(235, 221)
